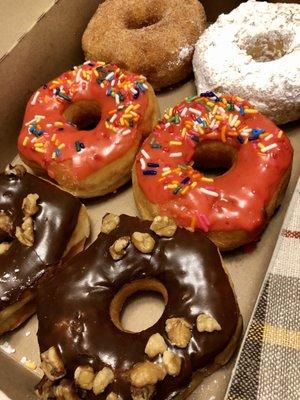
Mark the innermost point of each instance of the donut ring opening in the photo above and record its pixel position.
(127, 291)
(214, 157)
(84, 114)
(133, 22)
(268, 46)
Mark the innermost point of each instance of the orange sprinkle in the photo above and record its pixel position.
(25, 141)
(223, 131)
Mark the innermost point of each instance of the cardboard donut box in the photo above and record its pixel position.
(51, 46)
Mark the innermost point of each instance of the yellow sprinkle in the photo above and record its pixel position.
(53, 138)
(175, 142)
(170, 112)
(126, 116)
(166, 173)
(238, 123)
(280, 133)
(193, 185)
(61, 146)
(172, 186)
(193, 223)
(58, 123)
(215, 109)
(210, 103)
(136, 106)
(38, 144)
(53, 155)
(260, 145)
(183, 132)
(205, 179)
(129, 108)
(39, 150)
(25, 141)
(184, 190)
(200, 130)
(96, 72)
(250, 111)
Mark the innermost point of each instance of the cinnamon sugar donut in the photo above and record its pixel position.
(153, 38)
(86, 352)
(254, 52)
(40, 225)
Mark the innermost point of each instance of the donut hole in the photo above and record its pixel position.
(214, 158)
(267, 47)
(84, 114)
(134, 21)
(138, 305)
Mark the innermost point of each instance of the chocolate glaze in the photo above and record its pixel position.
(73, 308)
(21, 266)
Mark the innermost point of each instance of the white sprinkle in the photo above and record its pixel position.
(109, 76)
(145, 86)
(87, 62)
(133, 91)
(173, 155)
(183, 112)
(236, 108)
(245, 132)
(113, 82)
(221, 110)
(126, 132)
(270, 147)
(49, 125)
(33, 102)
(113, 118)
(143, 163)
(268, 137)
(209, 192)
(234, 119)
(78, 77)
(7, 348)
(117, 99)
(167, 125)
(165, 169)
(195, 111)
(28, 333)
(145, 154)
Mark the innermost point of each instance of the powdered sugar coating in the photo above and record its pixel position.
(222, 60)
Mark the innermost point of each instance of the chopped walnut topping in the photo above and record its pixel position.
(117, 250)
(25, 233)
(144, 393)
(18, 170)
(5, 222)
(4, 247)
(207, 323)
(45, 389)
(143, 242)
(102, 380)
(52, 364)
(29, 205)
(179, 331)
(155, 345)
(172, 362)
(146, 373)
(112, 396)
(109, 223)
(65, 391)
(163, 226)
(84, 377)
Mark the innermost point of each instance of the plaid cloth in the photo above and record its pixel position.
(268, 366)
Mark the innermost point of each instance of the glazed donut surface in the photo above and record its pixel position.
(80, 316)
(254, 52)
(84, 127)
(156, 39)
(207, 132)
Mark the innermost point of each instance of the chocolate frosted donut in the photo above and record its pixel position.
(86, 353)
(39, 225)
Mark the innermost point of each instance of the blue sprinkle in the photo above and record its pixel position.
(176, 190)
(109, 91)
(57, 152)
(149, 172)
(152, 165)
(39, 133)
(242, 112)
(57, 90)
(257, 131)
(136, 95)
(240, 139)
(195, 138)
(210, 94)
(185, 180)
(32, 129)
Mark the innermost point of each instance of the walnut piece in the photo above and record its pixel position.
(144, 393)
(25, 233)
(163, 226)
(146, 373)
(18, 170)
(179, 331)
(109, 223)
(207, 323)
(84, 377)
(112, 396)
(5, 222)
(172, 362)
(65, 391)
(4, 247)
(102, 380)
(155, 345)
(117, 250)
(45, 389)
(29, 205)
(143, 242)
(52, 364)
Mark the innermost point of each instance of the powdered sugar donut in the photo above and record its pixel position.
(254, 52)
